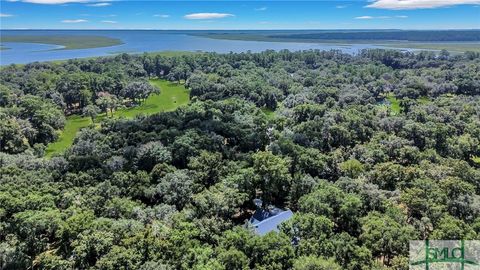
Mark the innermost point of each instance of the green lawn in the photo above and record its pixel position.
(268, 112)
(395, 107)
(70, 42)
(73, 125)
(476, 159)
(394, 104)
(171, 96)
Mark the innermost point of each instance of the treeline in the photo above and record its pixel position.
(173, 190)
(399, 35)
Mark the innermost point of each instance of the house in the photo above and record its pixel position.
(264, 220)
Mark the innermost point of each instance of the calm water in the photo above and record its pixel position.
(137, 41)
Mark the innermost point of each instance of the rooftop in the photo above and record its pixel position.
(267, 220)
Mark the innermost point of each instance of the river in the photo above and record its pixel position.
(138, 41)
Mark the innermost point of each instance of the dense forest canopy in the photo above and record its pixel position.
(312, 131)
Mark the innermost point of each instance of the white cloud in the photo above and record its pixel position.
(206, 16)
(99, 5)
(61, 2)
(109, 21)
(162, 15)
(418, 4)
(261, 9)
(53, 2)
(74, 21)
(380, 17)
(364, 18)
(4, 15)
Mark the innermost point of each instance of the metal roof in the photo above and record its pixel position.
(266, 221)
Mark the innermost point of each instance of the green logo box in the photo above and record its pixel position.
(444, 255)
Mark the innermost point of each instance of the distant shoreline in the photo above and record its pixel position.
(450, 40)
(349, 38)
(68, 42)
(88, 43)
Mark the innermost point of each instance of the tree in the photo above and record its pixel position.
(37, 228)
(152, 153)
(139, 90)
(385, 237)
(451, 228)
(107, 102)
(12, 140)
(349, 254)
(233, 259)
(207, 167)
(44, 116)
(313, 231)
(351, 168)
(91, 111)
(74, 87)
(274, 176)
(330, 201)
(175, 189)
(219, 200)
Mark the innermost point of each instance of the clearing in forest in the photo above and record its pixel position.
(172, 95)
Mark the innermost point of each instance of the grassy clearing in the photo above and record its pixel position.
(394, 104)
(72, 126)
(268, 112)
(171, 96)
(69, 42)
(476, 159)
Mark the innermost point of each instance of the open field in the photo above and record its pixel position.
(394, 103)
(171, 96)
(72, 126)
(69, 42)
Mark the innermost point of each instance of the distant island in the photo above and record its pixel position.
(69, 42)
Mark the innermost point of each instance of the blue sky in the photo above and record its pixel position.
(360, 14)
